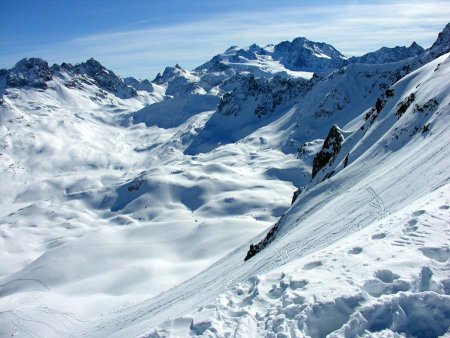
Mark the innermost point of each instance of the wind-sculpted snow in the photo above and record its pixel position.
(349, 288)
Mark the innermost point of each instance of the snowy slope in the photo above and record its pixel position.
(94, 209)
(116, 191)
(396, 189)
(348, 289)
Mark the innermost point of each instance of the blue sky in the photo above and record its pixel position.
(140, 38)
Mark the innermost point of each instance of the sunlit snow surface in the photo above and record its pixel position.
(98, 216)
(97, 213)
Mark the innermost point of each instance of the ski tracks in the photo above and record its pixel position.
(377, 203)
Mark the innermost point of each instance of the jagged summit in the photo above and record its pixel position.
(442, 43)
(415, 45)
(104, 77)
(33, 72)
(169, 72)
(304, 54)
(299, 55)
(138, 84)
(93, 63)
(387, 55)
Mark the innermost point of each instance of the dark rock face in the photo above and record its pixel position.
(379, 105)
(32, 72)
(330, 149)
(256, 248)
(404, 105)
(103, 77)
(261, 96)
(346, 161)
(442, 43)
(296, 194)
(244, 53)
(213, 65)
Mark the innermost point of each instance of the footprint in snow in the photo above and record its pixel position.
(411, 225)
(440, 255)
(380, 235)
(312, 265)
(298, 284)
(386, 276)
(418, 213)
(355, 251)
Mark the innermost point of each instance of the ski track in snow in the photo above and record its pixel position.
(377, 203)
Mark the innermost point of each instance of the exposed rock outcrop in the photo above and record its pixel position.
(329, 151)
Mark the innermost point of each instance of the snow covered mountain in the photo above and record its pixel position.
(36, 73)
(273, 191)
(303, 54)
(139, 84)
(386, 55)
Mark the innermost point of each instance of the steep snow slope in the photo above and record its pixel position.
(347, 289)
(394, 163)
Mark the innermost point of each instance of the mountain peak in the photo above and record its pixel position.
(103, 77)
(442, 43)
(307, 55)
(138, 84)
(92, 66)
(93, 62)
(254, 48)
(33, 72)
(389, 54)
(231, 49)
(29, 63)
